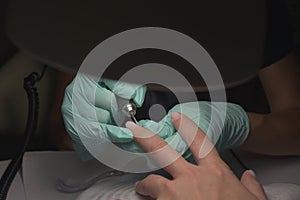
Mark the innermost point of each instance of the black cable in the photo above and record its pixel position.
(31, 124)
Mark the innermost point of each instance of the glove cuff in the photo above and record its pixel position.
(236, 127)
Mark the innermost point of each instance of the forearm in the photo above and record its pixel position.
(277, 133)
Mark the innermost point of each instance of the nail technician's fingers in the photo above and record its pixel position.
(200, 146)
(249, 181)
(105, 103)
(151, 186)
(162, 153)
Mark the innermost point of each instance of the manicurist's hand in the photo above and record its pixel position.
(104, 105)
(228, 133)
(210, 179)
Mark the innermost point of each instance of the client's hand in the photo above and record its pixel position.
(210, 179)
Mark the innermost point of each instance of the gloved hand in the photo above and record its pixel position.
(105, 107)
(234, 133)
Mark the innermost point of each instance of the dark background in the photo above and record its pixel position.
(9, 141)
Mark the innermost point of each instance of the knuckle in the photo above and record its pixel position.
(168, 187)
(156, 145)
(141, 186)
(221, 171)
(190, 170)
(151, 177)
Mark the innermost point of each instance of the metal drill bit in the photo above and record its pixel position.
(133, 117)
(129, 110)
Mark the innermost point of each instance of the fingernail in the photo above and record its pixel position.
(175, 116)
(136, 183)
(130, 125)
(252, 173)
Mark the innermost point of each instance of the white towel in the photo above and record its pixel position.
(123, 188)
(282, 191)
(116, 188)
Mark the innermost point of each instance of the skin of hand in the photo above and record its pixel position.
(281, 127)
(211, 179)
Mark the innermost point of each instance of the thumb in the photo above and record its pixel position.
(127, 90)
(139, 95)
(250, 182)
(151, 186)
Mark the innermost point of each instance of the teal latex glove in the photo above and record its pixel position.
(106, 109)
(234, 133)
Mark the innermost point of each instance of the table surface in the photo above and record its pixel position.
(16, 190)
(42, 169)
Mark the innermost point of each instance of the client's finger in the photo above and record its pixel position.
(199, 144)
(152, 186)
(162, 153)
(249, 181)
